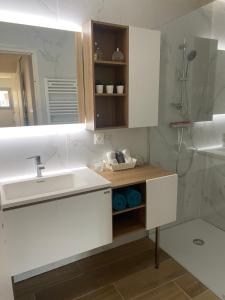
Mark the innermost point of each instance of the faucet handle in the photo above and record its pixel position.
(36, 157)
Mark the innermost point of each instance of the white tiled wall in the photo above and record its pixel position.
(68, 148)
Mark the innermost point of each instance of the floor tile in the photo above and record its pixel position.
(105, 293)
(126, 272)
(26, 297)
(167, 292)
(122, 252)
(100, 277)
(191, 285)
(47, 279)
(208, 295)
(149, 278)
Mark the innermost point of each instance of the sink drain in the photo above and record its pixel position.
(198, 242)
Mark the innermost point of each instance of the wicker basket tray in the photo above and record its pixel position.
(123, 166)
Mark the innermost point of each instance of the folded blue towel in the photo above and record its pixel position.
(119, 201)
(133, 197)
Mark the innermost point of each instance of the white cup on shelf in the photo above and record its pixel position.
(99, 88)
(120, 89)
(109, 89)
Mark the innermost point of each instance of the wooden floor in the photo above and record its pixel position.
(126, 272)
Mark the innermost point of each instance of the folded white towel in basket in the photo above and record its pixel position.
(127, 156)
(111, 158)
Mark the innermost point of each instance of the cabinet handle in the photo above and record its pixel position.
(107, 192)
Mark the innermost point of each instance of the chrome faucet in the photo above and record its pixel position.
(38, 164)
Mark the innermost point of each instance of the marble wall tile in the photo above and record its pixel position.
(213, 200)
(201, 190)
(45, 8)
(66, 150)
(164, 140)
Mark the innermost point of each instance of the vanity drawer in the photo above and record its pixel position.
(48, 232)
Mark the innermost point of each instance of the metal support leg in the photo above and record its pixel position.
(157, 247)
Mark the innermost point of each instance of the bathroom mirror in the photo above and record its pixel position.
(41, 80)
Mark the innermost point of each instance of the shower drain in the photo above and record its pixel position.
(198, 242)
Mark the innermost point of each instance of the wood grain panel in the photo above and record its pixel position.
(132, 264)
(89, 75)
(150, 278)
(100, 277)
(91, 263)
(134, 176)
(208, 295)
(26, 297)
(192, 286)
(167, 292)
(45, 280)
(108, 292)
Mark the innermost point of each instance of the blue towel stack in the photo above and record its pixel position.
(119, 201)
(133, 197)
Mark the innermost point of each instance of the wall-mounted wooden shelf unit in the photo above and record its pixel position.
(110, 63)
(109, 95)
(105, 111)
(129, 222)
(128, 210)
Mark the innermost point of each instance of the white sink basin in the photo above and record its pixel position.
(49, 187)
(36, 187)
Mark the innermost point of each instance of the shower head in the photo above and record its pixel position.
(191, 55)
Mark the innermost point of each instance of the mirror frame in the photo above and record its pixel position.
(80, 74)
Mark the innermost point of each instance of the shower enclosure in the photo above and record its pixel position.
(190, 139)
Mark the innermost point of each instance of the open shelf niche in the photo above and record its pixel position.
(130, 219)
(105, 110)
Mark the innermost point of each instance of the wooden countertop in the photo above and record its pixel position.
(134, 176)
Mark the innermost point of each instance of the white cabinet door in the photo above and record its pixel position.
(161, 201)
(144, 65)
(48, 232)
(6, 291)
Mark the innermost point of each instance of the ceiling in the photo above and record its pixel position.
(68, 13)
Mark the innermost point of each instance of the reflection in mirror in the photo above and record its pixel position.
(41, 80)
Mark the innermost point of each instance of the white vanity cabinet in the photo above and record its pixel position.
(144, 67)
(161, 201)
(6, 289)
(44, 233)
(158, 189)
